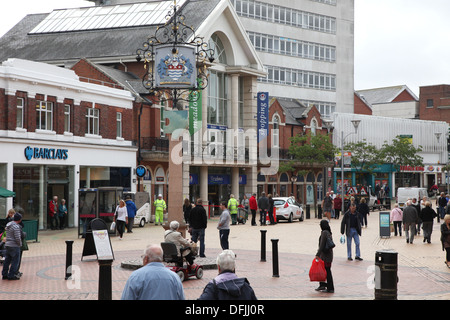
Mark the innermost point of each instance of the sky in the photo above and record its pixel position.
(397, 42)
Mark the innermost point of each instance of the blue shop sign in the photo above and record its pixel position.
(46, 153)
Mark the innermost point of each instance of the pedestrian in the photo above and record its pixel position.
(396, 217)
(198, 221)
(253, 205)
(153, 281)
(410, 218)
(160, 209)
(233, 208)
(224, 226)
(263, 205)
(327, 205)
(131, 213)
(445, 238)
(227, 285)
(427, 215)
(364, 211)
(245, 204)
(337, 204)
(62, 213)
(442, 204)
(183, 245)
(187, 207)
(416, 205)
(53, 213)
(326, 254)
(271, 208)
(351, 227)
(121, 218)
(14, 238)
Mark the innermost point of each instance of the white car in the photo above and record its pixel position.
(288, 209)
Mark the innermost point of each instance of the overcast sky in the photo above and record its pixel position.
(397, 42)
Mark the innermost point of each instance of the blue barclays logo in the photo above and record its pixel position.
(46, 153)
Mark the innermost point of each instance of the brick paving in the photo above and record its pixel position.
(421, 269)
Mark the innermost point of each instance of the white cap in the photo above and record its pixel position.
(160, 195)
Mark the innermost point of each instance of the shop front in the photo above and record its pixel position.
(39, 171)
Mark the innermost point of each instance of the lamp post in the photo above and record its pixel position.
(355, 125)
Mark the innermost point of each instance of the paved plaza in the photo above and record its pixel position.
(421, 270)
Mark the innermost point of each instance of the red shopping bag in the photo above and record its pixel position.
(317, 271)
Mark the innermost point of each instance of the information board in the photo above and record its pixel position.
(102, 245)
(385, 229)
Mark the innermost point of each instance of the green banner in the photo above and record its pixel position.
(195, 112)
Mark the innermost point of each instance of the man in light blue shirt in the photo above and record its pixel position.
(153, 281)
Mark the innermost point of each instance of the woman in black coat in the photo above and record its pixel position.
(363, 210)
(326, 255)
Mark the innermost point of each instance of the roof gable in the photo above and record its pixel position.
(386, 95)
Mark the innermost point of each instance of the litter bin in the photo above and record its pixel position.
(386, 278)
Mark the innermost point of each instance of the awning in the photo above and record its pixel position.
(5, 193)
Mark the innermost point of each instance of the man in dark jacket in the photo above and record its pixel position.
(351, 226)
(263, 205)
(227, 286)
(410, 219)
(131, 211)
(198, 221)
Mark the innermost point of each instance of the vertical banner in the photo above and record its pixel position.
(263, 115)
(195, 111)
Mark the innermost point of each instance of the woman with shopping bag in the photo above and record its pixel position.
(325, 253)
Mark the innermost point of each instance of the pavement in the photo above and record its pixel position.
(421, 272)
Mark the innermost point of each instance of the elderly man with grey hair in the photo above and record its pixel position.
(172, 235)
(227, 286)
(410, 219)
(153, 281)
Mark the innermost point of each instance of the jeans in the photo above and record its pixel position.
(11, 263)
(353, 235)
(223, 234)
(199, 234)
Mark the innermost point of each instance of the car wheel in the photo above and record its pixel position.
(290, 217)
(181, 275)
(301, 217)
(142, 223)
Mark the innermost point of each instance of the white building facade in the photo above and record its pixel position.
(307, 48)
(430, 135)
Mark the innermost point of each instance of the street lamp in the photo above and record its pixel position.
(355, 125)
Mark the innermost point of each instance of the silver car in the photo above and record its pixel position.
(288, 209)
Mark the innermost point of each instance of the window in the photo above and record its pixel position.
(19, 115)
(219, 49)
(92, 121)
(218, 98)
(44, 115)
(67, 118)
(119, 125)
(162, 122)
(276, 131)
(430, 103)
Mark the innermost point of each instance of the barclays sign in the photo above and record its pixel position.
(46, 153)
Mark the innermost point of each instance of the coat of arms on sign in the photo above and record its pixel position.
(175, 68)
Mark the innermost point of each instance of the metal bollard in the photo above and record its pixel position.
(105, 280)
(275, 258)
(308, 211)
(263, 245)
(386, 275)
(69, 244)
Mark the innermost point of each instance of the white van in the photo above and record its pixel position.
(403, 194)
(142, 202)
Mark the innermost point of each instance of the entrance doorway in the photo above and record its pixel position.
(61, 190)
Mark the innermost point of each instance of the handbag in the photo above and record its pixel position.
(317, 271)
(113, 226)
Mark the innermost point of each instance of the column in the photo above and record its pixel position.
(235, 182)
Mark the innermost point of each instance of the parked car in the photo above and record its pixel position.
(288, 209)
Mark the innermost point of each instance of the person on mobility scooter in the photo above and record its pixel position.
(177, 249)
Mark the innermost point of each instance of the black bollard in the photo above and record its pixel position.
(69, 244)
(263, 245)
(308, 211)
(105, 280)
(275, 258)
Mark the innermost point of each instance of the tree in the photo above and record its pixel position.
(365, 157)
(401, 152)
